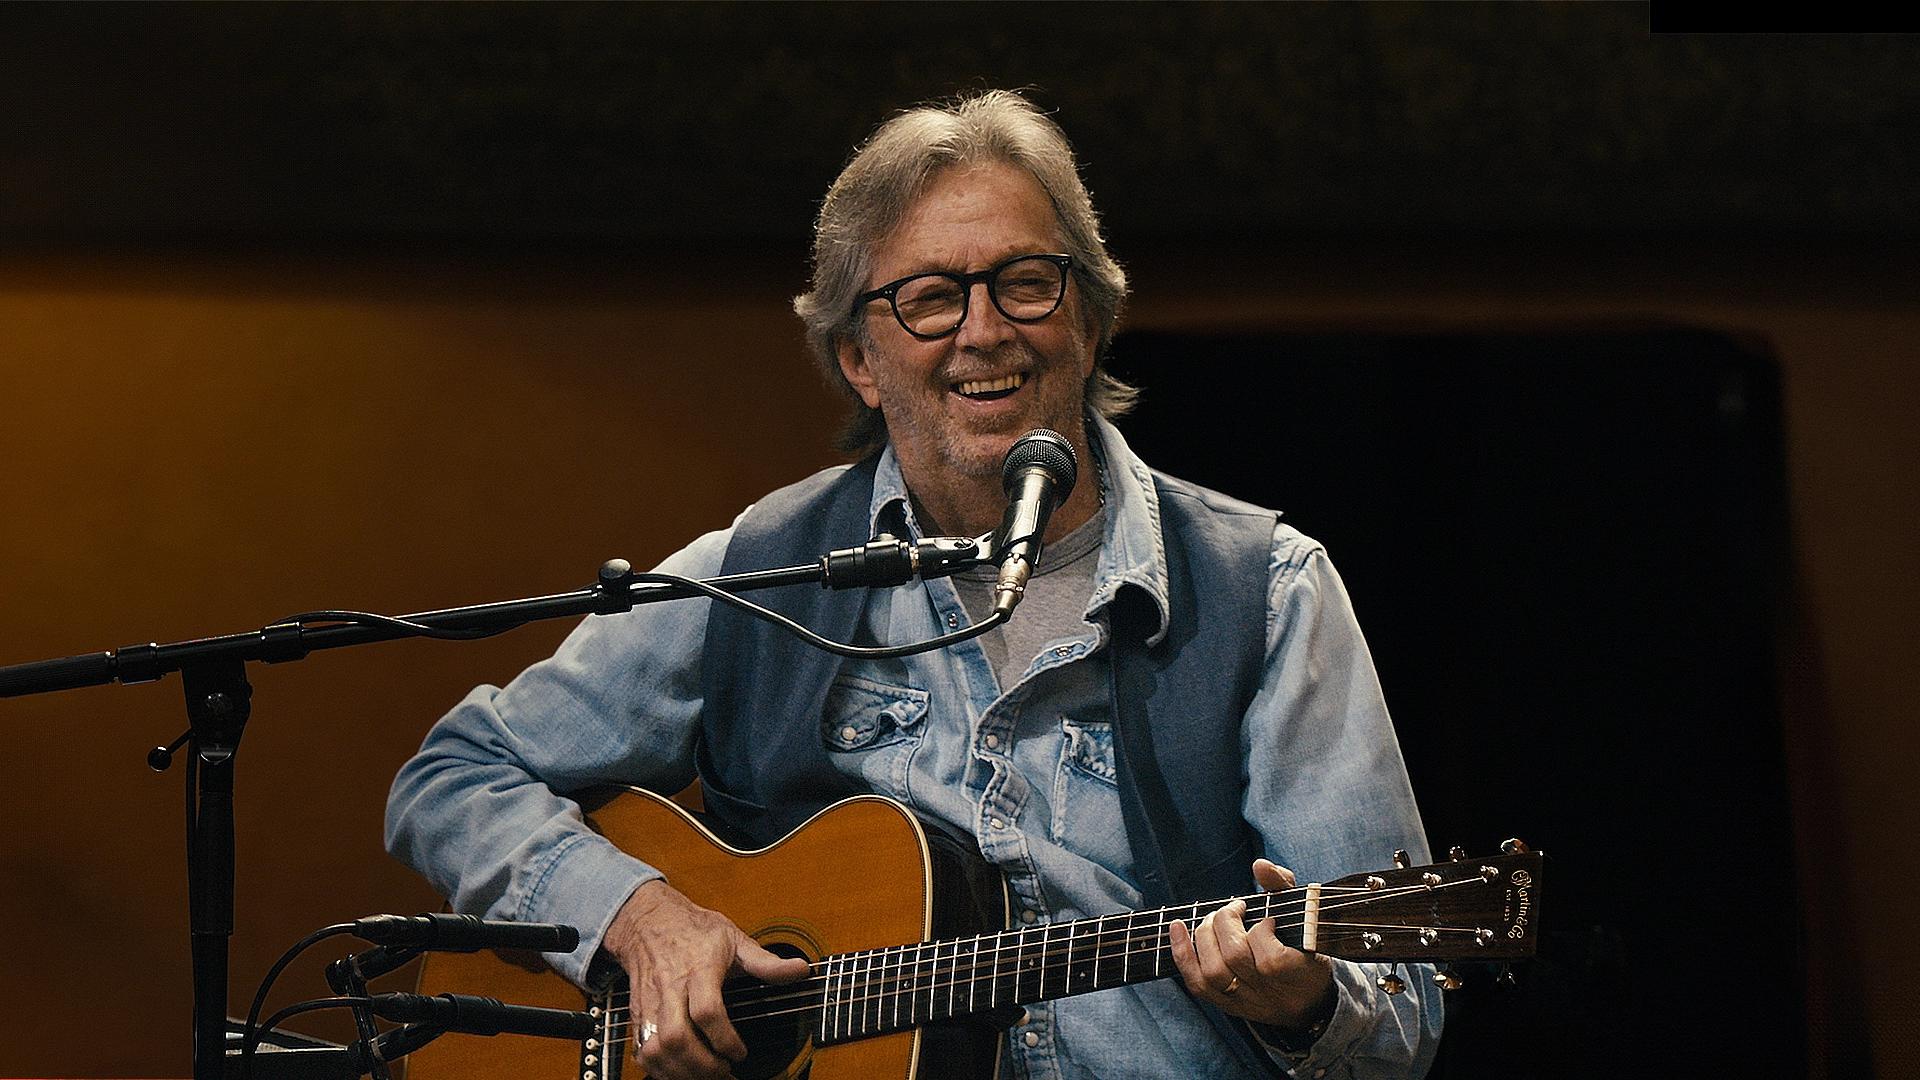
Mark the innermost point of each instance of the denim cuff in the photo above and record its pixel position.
(1351, 1021)
(583, 884)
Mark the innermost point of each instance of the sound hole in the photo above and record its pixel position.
(777, 1045)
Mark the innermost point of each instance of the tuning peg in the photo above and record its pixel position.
(1391, 983)
(1400, 859)
(1457, 853)
(1445, 979)
(1515, 846)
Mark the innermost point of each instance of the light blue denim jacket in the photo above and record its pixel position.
(1028, 769)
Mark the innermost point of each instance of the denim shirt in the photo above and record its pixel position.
(1027, 769)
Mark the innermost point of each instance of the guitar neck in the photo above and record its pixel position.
(882, 990)
(1482, 910)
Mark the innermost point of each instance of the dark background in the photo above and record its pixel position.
(1589, 352)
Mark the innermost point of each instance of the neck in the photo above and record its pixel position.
(971, 506)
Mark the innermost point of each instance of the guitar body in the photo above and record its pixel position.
(862, 874)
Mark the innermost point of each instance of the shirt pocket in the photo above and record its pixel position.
(1088, 748)
(871, 730)
(1086, 815)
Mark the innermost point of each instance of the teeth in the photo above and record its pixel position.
(988, 386)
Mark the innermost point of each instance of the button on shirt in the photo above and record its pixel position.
(1027, 769)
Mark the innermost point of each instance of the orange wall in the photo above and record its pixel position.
(197, 442)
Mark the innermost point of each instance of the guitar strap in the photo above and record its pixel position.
(1176, 742)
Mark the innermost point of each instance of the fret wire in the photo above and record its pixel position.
(913, 988)
(1047, 954)
(843, 1021)
(828, 1003)
(933, 978)
(923, 978)
(900, 955)
(1074, 949)
(1040, 963)
(849, 991)
(953, 984)
(1099, 948)
(867, 1003)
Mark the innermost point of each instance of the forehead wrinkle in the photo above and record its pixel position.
(957, 206)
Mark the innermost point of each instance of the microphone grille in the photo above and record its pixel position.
(1047, 449)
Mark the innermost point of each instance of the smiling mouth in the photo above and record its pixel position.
(989, 389)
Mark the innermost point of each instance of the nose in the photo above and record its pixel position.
(985, 328)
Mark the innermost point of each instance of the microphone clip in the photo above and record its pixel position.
(887, 560)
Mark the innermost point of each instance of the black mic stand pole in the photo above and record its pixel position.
(213, 671)
(218, 703)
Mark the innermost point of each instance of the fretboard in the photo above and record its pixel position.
(860, 994)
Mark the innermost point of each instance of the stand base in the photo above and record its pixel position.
(288, 1055)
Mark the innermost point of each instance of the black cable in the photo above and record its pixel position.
(274, 1021)
(250, 1034)
(858, 652)
(367, 618)
(861, 652)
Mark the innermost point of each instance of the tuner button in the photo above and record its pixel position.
(1392, 984)
(1370, 941)
(1429, 937)
(1457, 853)
(1515, 846)
(1447, 980)
(1401, 861)
(1376, 882)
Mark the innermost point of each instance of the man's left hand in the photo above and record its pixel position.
(1251, 973)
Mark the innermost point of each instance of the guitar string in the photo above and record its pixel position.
(896, 980)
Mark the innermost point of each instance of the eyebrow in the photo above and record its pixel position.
(1003, 256)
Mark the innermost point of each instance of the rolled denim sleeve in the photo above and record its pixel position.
(1327, 790)
(481, 811)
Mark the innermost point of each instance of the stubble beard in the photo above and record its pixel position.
(976, 455)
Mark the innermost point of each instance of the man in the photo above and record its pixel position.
(1183, 688)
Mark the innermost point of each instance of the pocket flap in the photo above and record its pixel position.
(861, 713)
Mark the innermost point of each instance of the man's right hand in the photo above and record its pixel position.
(676, 954)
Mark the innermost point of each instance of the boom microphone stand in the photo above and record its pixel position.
(1039, 474)
(219, 698)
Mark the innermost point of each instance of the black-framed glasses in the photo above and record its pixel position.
(1026, 288)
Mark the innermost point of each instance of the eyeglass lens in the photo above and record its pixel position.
(1024, 289)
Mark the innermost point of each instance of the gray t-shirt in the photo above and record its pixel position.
(1055, 604)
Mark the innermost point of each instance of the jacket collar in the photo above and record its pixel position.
(1134, 552)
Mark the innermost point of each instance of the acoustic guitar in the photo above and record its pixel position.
(913, 972)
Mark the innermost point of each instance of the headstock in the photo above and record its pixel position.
(1462, 909)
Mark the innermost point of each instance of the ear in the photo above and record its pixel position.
(859, 375)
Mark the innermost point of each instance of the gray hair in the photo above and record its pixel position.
(876, 189)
